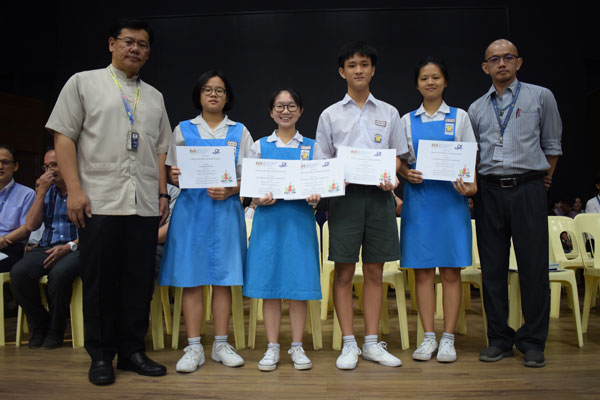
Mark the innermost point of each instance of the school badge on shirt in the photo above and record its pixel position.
(449, 126)
(305, 152)
(377, 138)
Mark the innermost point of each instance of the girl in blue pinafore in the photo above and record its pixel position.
(436, 224)
(283, 253)
(206, 241)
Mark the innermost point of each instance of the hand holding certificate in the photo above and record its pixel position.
(447, 161)
(206, 166)
(368, 166)
(291, 179)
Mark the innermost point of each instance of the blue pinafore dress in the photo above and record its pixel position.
(436, 224)
(283, 253)
(206, 241)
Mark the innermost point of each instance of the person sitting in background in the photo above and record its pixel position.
(15, 201)
(577, 206)
(593, 204)
(56, 256)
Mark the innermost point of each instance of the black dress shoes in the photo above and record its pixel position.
(140, 363)
(52, 341)
(37, 338)
(101, 373)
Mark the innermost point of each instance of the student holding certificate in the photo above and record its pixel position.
(283, 253)
(206, 241)
(436, 225)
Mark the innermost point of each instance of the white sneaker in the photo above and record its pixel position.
(349, 357)
(378, 353)
(446, 352)
(191, 360)
(299, 358)
(426, 349)
(225, 353)
(270, 359)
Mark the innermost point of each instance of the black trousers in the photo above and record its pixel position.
(117, 257)
(25, 276)
(14, 253)
(518, 212)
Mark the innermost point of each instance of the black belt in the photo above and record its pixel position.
(510, 181)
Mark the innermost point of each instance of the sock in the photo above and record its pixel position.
(194, 341)
(370, 340)
(348, 340)
(273, 345)
(448, 336)
(220, 339)
(429, 335)
(296, 344)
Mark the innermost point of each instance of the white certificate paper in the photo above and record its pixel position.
(291, 179)
(368, 166)
(447, 161)
(206, 166)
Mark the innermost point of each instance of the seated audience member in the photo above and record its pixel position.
(593, 204)
(162, 231)
(577, 206)
(471, 208)
(567, 244)
(56, 256)
(15, 201)
(562, 208)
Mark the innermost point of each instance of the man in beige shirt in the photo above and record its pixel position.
(111, 133)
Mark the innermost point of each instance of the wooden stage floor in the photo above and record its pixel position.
(571, 372)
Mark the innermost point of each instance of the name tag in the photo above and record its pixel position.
(232, 143)
(497, 156)
(380, 123)
(305, 147)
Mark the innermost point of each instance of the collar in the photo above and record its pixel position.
(273, 137)
(122, 75)
(5, 188)
(347, 99)
(511, 87)
(199, 120)
(444, 109)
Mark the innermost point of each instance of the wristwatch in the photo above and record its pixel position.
(165, 195)
(73, 246)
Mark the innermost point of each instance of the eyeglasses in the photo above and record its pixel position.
(207, 91)
(130, 42)
(290, 107)
(50, 165)
(508, 58)
(6, 163)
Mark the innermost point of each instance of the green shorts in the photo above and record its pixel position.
(365, 216)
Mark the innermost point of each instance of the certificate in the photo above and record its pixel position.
(292, 179)
(447, 161)
(206, 166)
(368, 166)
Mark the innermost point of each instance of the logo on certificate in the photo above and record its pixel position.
(377, 138)
(385, 177)
(449, 129)
(334, 187)
(304, 154)
(193, 151)
(464, 172)
(289, 189)
(259, 163)
(225, 178)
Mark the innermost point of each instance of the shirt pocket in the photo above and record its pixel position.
(379, 136)
(102, 181)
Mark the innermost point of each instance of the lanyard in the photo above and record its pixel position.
(5, 199)
(124, 98)
(510, 109)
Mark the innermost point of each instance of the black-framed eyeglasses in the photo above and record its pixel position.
(507, 58)
(6, 163)
(207, 91)
(130, 42)
(50, 165)
(290, 107)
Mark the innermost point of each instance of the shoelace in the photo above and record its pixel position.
(270, 354)
(298, 351)
(227, 348)
(428, 345)
(352, 347)
(445, 346)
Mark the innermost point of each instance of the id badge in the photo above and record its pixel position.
(132, 141)
(497, 152)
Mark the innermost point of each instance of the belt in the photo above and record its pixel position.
(507, 182)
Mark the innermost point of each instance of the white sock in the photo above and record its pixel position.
(370, 340)
(350, 339)
(194, 341)
(273, 346)
(221, 339)
(448, 336)
(296, 344)
(429, 335)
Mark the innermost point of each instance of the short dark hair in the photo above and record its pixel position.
(431, 60)
(202, 81)
(357, 47)
(49, 148)
(131, 23)
(11, 150)
(293, 92)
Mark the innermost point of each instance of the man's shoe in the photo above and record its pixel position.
(52, 341)
(37, 338)
(378, 353)
(534, 358)
(101, 373)
(141, 364)
(493, 353)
